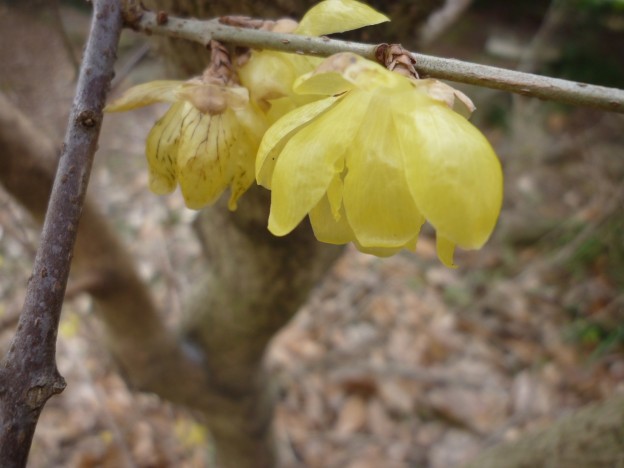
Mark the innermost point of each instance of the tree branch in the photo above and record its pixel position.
(29, 377)
(527, 84)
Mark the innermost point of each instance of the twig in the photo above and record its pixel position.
(527, 84)
(28, 376)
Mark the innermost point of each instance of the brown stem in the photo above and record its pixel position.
(29, 377)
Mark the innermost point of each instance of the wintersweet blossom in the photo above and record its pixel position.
(375, 158)
(205, 142)
(269, 75)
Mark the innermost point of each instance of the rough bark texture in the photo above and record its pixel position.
(29, 377)
(591, 438)
(256, 284)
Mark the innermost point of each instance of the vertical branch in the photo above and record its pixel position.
(28, 375)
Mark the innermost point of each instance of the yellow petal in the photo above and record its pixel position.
(378, 203)
(453, 173)
(267, 75)
(327, 84)
(243, 173)
(278, 108)
(327, 228)
(249, 128)
(333, 16)
(385, 252)
(335, 191)
(309, 161)
(445, 250)
(353, 71)
(270, 75)
(280, 132)
(144, 95)
(162, 148)
(203, 158)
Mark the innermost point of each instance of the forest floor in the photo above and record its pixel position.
(395, 362)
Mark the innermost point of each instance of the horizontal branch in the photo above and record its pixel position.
(527, 84)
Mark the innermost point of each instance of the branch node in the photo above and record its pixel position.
(131, 14)
(161, 18)
(37, 395)
(87, 118)
(396, 58)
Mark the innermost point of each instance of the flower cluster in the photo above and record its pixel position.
(368, 154)
(375, 158)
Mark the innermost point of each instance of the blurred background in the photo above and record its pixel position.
(394, 362)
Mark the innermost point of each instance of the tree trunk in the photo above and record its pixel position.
(591, 438)
(256, 284)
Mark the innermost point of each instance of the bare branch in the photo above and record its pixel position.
(527, 84)
(29, 376)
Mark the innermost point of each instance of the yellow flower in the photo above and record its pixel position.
(205, 142)
(375, 158)
(269, 75)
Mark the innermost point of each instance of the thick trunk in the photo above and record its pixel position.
(591, 438)
(256, 284)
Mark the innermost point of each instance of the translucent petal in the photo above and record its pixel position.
(387, 251)
(267, 75)
(243, 157)
(445, 250)
(278, 108)
(335, 191)
(346, 70)
(144, 95)
(333, 16)
(270, 75)
(249, 126)
(161, 148)
(452, 171)
(327, 84)
(203, 158)
(378, 203)
(279, 133)
(309, 160)
(327, 228)
(368, 75)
